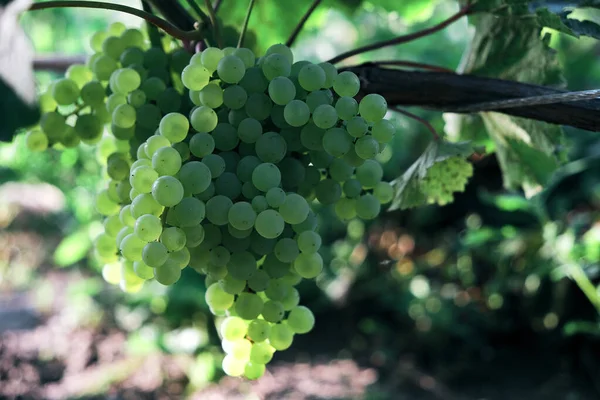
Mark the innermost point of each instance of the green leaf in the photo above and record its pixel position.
(408, 187)
(73, 248)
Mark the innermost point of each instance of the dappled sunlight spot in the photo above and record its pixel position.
(462, 299)
(423, 324)
(419, 287)
(158, 304)
(473, 221)
(387, 239)
(405, 266)
(359, 254)
(531, 284)
(495, 301)
(406, 243)
(449, 291)
(551, 321)
(435, 257)
(433, 305)
(416, 310)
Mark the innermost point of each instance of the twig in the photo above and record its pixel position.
(153, 33)
(403, 39)
(410, 115)
(301, 23)
(213, 21)
(56, 63)
(199, 13)
(245, 26)
(217, 5)
(404, 63)
(152, 19)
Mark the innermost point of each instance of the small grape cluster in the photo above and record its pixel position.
(444, 178)
(222, 179)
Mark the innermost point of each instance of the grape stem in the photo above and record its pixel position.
(217, 5)
(404, 38)
(150, 18)
(245, 26)
(405, 63)
(213, 22)
(57, 63)
(153, 33)
(199, 13)
(301, 23)
(410, 115)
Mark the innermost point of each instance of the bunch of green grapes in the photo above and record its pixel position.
(217, 161)
(444, 178)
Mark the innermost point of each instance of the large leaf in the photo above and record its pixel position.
(18, 107)
(512, 49)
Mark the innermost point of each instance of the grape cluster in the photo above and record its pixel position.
(444, 178)
(215, 163)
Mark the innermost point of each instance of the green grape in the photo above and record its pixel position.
(210, 58)
(266, 176)
(127, 80)
(132, 56)
(142, 270)
(330, 74)
(259, 281)
(346, 84)
(248, 305)
(275, 269)
(204, 119)
(337, 142)
(113, 47)
(217, 210)
(190, 212)
(271, 147)
(340, 170)
(231, 69)
(65, 91)
(103, 67)
(155, 254)
(89, 127)
(296, 113)
(372, 107)
(142, 178)
(269, 224)
(246, 55)
(93, 94)
(281, 336)
(286, 250)
(173, 238)
(291, 299)
(202, 144)
(369, 174)
(115, 100)
(282, 90)
(366, 147)
(174, 127)
(258, 330)
(167, 191)
(319, 97)
(215, 163)
(352, 158)
(225, 137)
(254, 81)
(104, 205)
(254, 370)
(241, 266)
(233, 328)
(36, 140)
(294, 209)
(275, 65)
(168, 273)
(357, 127)
(261, 351)
(245, 168)
(309, 242)
(235, 97)
(105, 245)
(79, 73)
(211, 95)
(133, 38)
(311, 77)
(231, 159)
(240, 349)
(124, 116)
(166, 161)
(275, 197)
(367, 206)
(283, 50)
(180, 257)
(301, 319)
(345, 209)
(127, 230)
(273, 311)
(153, 87)
(232, 366)
(325, 116)
(241, 215)
(311, 137)
(232, 285)
(112, 225)
(308, 265)
(126, 217)
(383, 131)
(258, 106)
(131, 247)
(220, 256)
(155, 57)
(195, 177)
(328, 191)
(195, 77)
(97, 39)
(145, 204)
(259, 203)
(278, 119)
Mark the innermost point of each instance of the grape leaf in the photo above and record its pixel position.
(18, 106)
(511, 49)
(407, 187)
